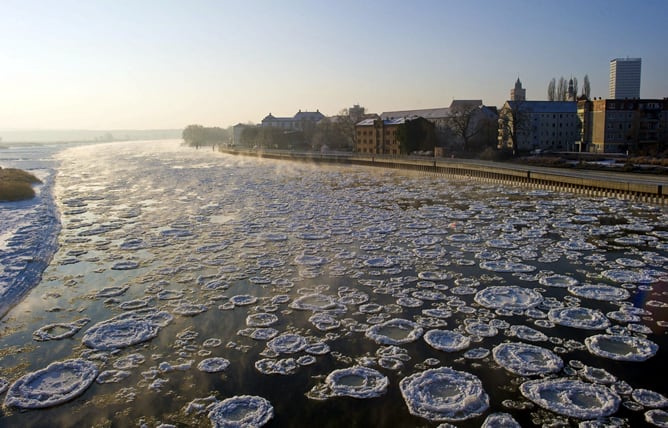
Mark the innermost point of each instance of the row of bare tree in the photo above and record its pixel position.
(557, 90)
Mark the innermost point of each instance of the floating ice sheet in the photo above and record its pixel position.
(500, 420)
(625, 275)
(600, 292)
(316, 302)
(283, 366)
(287, 343)
(58, 383)
(261, 319)
(508, 297)
(444, 394)
(572, 398)
(557, 280)
(526, 360)
(527, 333)
(506, 266)
(126, 329)
(213, 365)
(241, 411)
(112, 376)
(657, 417)
(396, 331)
(447, 340)
(579, 317)
(57, 331)
(649, 398)
(621, 348)
(357, 382)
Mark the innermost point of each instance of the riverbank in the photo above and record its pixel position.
(28, 227)
(645, 187)
(16, 185)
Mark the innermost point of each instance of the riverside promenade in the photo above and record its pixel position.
(643, 187)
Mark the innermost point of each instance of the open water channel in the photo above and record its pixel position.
(192, 288)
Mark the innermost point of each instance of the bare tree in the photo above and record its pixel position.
(562, 88)
(575, 87)
(462, 121)
(551, 90)
(586, 87)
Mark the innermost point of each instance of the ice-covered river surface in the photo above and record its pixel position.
(193, 288)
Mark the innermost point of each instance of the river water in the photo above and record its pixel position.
(333, 295)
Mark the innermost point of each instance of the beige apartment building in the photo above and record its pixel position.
(638, 126)
(378, 136)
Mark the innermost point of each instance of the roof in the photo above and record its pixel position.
(458, 104)
(427, 113)
(544, 106)
(395, 121)
(300, 115)
(433, 113)
(309, 115)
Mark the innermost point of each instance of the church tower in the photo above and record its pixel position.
(518, 93)
(571, 92)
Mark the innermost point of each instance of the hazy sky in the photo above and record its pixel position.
(165, 64)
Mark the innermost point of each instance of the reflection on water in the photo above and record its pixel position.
(275, 275)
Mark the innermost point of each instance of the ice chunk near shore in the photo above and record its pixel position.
(241, 411)
(126, 329)
(579, 317)
(444, 394)
(526, 360)
(356, 382)
(4, 384)
(58, 383)
(621, 348)
(396, 331)
(572, 398)
(59, 330)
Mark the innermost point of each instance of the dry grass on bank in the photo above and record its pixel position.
(16, 184)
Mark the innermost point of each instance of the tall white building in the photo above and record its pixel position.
(624, 78)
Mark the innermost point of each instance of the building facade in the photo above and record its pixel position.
(301, 121)
(442, 118)
(638, 126)
(624, 78)
(539, 125)
(378, 136)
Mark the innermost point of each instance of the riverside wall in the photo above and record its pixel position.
(594, 183)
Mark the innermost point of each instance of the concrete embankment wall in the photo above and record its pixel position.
(593, 186)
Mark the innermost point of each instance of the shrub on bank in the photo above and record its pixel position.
(16, 184)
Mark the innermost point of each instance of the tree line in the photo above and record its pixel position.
(198, 136)
(557, 90)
